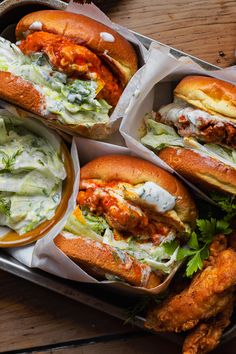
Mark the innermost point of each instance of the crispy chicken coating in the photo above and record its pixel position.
(206, 336)
(206, 296)
(74, 60)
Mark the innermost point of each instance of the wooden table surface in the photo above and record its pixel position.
(36, 320)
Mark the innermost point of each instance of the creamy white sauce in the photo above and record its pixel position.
(145, 275)
(36, 26)
(107, 37)
(156, 196)
(173, 111)
(68, 235)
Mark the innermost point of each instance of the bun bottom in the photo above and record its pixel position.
(99, 259)
(205, 171)
(22, 93)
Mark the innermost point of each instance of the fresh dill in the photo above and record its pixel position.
(9, 161)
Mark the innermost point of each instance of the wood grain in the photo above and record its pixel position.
(32, 316)
(205, 29)
(142, 344)
(36, 320)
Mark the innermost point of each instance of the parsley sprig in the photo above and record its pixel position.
(227, 204)
(197, 248)
(214, 219)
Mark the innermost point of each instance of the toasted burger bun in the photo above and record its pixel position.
(209, 94)
(98, 259)
(202, 170)
(134, 171)
(102, 40)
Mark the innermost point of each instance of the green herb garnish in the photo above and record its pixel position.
(5, 206)
(197, 248)
(9, 161)
(227, 204)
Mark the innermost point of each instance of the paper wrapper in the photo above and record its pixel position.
(45, 254)
(155, 83)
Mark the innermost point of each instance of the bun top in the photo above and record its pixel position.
(134, 171)
(102, 40)
(209, 94)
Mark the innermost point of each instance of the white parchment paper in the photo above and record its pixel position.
(48, 257)
(155, 83)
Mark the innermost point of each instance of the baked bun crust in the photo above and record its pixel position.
(22, 93)
(209, 94)
(134, 171)
(204, 171)
(98, 258)
(102, 40)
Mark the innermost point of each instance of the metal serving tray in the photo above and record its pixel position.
(93, 295)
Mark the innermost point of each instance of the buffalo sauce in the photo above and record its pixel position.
(73, 59)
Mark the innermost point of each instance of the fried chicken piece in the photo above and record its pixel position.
(206, 336)
(74, 59)
(206, 296)
(218, 245)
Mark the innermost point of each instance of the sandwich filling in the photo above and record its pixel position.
(75, 91)
(75, 61)
(192, 122)
(137, 220)
(31, 175)
(159, 135)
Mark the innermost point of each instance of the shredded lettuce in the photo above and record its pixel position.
(147, 253)
(74, 226)
(225, 153)
(97, 223)
(73, 100)
(159, 136)
(96, 228)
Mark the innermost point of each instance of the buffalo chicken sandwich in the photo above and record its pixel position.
(196, 134)
(67, 68)
(127, 210)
